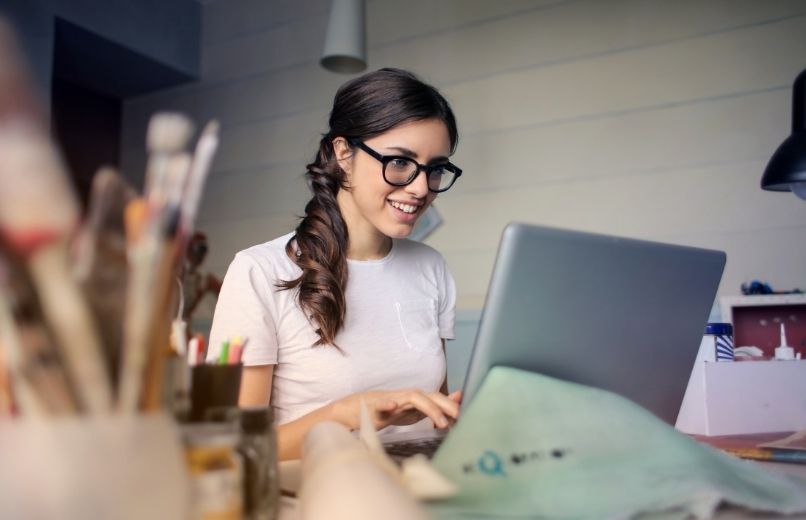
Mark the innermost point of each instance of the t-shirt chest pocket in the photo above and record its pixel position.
(418, 322)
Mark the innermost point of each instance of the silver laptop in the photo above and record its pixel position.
(619, 314)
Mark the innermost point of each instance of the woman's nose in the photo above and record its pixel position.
(419, 186)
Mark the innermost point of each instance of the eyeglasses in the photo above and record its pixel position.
(399, 170)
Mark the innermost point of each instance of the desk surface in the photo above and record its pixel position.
(289, 509)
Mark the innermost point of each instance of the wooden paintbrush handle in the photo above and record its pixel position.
(160, 337)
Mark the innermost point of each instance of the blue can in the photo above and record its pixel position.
(722, 334)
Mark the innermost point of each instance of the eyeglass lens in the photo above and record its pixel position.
(401, 171)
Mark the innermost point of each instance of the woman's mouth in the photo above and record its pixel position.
(405, 208)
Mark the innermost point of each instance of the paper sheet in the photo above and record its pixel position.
(796, 441)
(533, 446)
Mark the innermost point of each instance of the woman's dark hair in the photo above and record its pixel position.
(363, 108)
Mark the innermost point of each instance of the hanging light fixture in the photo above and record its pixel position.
(345, 39)
(786, 170)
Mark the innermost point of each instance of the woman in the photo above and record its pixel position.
(343, 310)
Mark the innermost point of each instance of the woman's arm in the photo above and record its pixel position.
(386, 407)
(256, 391)
(256, 385)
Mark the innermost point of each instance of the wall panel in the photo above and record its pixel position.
(647, 118)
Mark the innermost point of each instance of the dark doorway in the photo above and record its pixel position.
(86, 124)
(92, 76)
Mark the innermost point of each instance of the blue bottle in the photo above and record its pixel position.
(722, 334)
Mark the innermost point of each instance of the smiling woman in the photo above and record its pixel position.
(344, 309)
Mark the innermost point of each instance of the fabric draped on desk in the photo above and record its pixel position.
(532, 446)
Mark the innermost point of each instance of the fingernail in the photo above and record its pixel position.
(442, 423)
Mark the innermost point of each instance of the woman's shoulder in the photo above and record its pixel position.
(273, 247)
(270, 256)
(410, 249)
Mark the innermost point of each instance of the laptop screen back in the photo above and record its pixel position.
(619, 314)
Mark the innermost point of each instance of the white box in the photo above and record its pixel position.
(744, 397)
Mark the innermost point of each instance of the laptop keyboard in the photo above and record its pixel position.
(405, 449)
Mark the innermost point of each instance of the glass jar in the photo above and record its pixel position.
(215, 471)
(258, 447)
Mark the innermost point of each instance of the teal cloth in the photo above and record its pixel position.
(530, 446)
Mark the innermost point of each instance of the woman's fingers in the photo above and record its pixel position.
(384, 411)
(449, 406)
(408, 406)
(385, 405)
(436, 407)
(431, 410)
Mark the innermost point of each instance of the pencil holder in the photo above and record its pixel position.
(213, 387)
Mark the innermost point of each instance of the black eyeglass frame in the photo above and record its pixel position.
(386, 159)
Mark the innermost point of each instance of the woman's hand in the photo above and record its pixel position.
(399, 407)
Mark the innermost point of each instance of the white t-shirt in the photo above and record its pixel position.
(398, 309)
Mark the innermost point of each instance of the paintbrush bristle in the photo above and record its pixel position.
(212, 128)
(202, 160)
(168, 132)
(35, 193)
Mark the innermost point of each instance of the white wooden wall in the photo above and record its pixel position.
(644, 118)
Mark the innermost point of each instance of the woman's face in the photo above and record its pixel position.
(371, 205)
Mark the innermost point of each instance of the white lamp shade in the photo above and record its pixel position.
(345, 40)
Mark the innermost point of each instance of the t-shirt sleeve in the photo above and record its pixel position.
(447, 302)
(246, 308)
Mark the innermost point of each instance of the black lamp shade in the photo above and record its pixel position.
(788, 164)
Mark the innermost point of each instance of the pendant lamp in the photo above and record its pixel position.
(345, 40)
(786, 170)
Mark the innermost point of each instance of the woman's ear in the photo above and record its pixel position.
(343, 153)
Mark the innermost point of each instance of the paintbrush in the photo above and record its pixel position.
(152, 254)
(187, 202)
(167, 135)
(200, 168)
(166, 290)
(38, 212)
(15, 388)
(99, 260)
(36, 372)
(202, 160)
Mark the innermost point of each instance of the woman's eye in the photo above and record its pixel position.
(400, 164)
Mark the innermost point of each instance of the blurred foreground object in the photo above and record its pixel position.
(85, 310)
(38, 214)
(343, 481)
(100, 263)
(127, 468)
(86, 307)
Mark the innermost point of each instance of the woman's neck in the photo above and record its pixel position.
(365, 242)
(367, 245)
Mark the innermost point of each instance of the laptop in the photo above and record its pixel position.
(619, 314)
